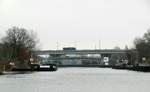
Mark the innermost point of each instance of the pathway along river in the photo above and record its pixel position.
(77, 80)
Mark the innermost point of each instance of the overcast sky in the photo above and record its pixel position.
(80, 23)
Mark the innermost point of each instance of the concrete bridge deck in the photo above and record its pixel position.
(105, 51)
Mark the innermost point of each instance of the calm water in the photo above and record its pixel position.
(77, 80)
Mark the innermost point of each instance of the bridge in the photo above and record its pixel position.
(82, 57)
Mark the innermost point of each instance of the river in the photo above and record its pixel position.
(76, 80)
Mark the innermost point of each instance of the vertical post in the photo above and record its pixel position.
(57, 45)
(95, 46)
(99, 44)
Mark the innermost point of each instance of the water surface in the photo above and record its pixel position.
(77, 80)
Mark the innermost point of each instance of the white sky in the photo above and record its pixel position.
(80, 23)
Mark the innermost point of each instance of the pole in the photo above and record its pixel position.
(57, 45)
(99, 44)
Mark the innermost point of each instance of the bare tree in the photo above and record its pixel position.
(18, 44)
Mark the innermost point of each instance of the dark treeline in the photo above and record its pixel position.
(142, 45)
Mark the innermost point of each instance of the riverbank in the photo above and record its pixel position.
(126, 67)
(133, 68)
(94, 65)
